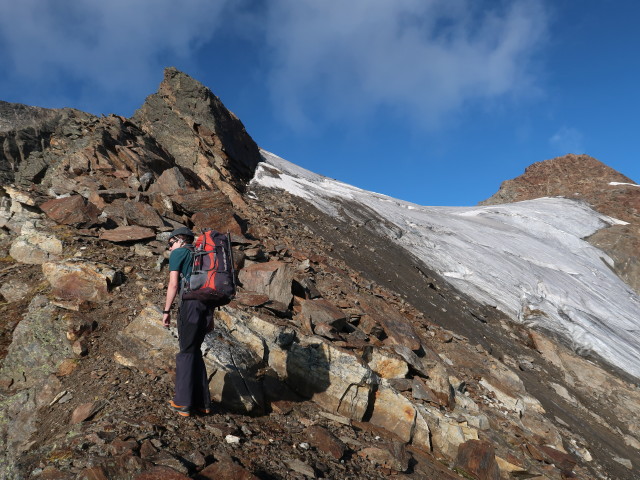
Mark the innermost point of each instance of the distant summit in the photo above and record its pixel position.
(582, 177)
(574, 176)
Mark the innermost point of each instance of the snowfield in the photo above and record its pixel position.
(527, 259)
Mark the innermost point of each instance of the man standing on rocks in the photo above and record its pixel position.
(194, 317)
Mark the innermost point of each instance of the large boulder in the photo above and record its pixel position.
(34, 247)
(38, 346)
(79, 279)
(477, 458)
(142, 214)
(146, 344)
(74, 210)
(273, 279)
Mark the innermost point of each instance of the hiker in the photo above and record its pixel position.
(195, 318)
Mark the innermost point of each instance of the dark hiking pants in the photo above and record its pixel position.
(192, 387)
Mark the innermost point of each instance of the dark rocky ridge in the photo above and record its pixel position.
(427, 370)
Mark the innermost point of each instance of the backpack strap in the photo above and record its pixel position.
(184, 281)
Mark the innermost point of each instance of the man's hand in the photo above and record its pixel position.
(166, 319)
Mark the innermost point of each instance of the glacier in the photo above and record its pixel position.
(527, 259)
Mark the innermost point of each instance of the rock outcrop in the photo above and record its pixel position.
(199, 132)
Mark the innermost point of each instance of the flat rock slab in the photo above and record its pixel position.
(73, 210)
(270, 278)
(85, 411)
(325, 441)
(131, 233)
(249, 299)
(36, 248)
(161, 473)
(142, 214)
(226, 470)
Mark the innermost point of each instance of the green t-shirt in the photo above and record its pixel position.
(180, 260)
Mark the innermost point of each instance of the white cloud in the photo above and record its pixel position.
(424, 58)
(341, 61)
(109, 47)
(567, 140)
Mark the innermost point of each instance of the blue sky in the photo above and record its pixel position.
(431, 101)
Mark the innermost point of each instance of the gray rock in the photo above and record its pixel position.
(14, 290)
(36, 248)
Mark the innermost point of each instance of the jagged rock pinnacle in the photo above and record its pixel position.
(192, 124)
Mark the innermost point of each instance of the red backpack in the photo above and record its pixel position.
(212, 275)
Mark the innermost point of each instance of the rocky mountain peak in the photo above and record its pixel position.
(574, 176)
(606, 190)
(193, 125)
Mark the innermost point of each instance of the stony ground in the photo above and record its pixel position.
(131, 429)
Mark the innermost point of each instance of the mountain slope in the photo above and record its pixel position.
(526, 259)
(361, 343)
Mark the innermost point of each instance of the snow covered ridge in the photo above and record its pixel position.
(527, 259)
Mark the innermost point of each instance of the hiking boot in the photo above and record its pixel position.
(203, 410)
(182, 411)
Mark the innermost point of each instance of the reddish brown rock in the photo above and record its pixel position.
(81, 280)
(477, 457)
(127, 234)
(383, 458)
(223, 221)
(84, 412)
(225, 470)
(160, 473)
(120, 446)
(323, 329)
(397, 327)
(251, 299)
(93, 473)
(323, 311)
(270, 278)
(101, 198)
(142, 214)
(74, 210)
(171, 181)
(563, 461)
(52, 473)
(203, 200)
(147, 449)
(325, 441)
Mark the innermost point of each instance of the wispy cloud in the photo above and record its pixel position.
(112, 47)
(334, 60)
(420, 58)
(567, 140)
